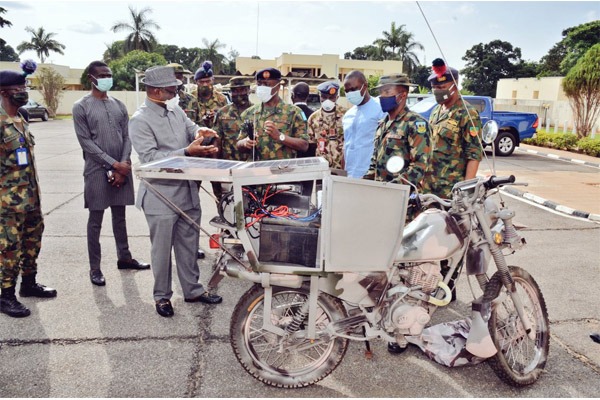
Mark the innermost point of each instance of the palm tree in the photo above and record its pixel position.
(4, 22)
(141, 36)
(42, 43)
(402, 46)
(211, 52)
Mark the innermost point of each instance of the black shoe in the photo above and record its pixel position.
(394, 348)
(201, 254)
(36, 290)
(10, 306)
(132, 264)
(97, 278)
(206, 298)
(164, 308)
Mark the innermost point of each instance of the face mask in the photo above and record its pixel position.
(328, 105)
(264, 93)
(104, 84)
(388, 103)
(172, 103)
(240, 100)
(355, 97)
(205, 91)
(442, 95)
(19, 99)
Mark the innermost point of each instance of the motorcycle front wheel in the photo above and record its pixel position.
(288, 361)
(520, 360)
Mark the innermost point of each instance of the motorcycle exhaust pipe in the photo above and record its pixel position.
(233, 269)
(479, 342)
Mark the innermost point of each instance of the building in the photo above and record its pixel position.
(543, 96)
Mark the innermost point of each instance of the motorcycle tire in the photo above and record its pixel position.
(277, 360)
(520, 360)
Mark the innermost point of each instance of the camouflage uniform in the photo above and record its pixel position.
(213, 103)
(228, 122)
(407, 136)
(327, 132)
(454, 141)
(289, 121)
(189, 104)
(21, 221)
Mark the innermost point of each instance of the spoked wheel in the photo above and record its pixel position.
(520, 360)
(288, 360)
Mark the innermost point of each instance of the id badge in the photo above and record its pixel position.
(321, 145)
(21, 156)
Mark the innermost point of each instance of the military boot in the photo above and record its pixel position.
(10, 306)
(29, 288)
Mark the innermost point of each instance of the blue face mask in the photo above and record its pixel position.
(388, 103)
(355, 97)
(103, 84)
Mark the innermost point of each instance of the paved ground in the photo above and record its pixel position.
(109, 342)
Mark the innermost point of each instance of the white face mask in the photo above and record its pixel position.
(328, 105)
(355, 97)
(172, 103)
(264, 93)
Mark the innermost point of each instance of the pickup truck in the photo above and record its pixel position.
(513, 126)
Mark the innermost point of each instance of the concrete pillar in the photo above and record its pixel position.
(565, 129)
(547, 124)
(555, 126)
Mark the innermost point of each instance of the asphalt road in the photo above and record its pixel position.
(109, 342)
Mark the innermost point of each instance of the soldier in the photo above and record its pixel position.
(21, 220)
(228, 120)
(279, 129)
(299, 96)
(455, 127)
(209, 101)
(187, 101)
(325, 128)
(401, 133)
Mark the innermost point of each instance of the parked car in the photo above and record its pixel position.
(513, 126)
(36, 110)
(414, 98)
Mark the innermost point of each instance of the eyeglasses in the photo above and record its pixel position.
(174, 93)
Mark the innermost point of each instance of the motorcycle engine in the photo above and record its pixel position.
(408, 314)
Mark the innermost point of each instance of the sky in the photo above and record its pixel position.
(270, 28)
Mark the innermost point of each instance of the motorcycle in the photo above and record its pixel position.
(300, 235)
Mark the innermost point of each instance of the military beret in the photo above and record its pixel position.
(394, 79)
(442, 73)
(238, 81)
(205, 71)
(179, 68)
(328, 87)
(13, 78)
(268, 73)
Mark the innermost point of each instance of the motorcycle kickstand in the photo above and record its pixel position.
(368, 352)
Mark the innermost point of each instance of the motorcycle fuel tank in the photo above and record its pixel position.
(432, 236)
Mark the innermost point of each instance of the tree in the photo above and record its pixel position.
(4, 22)
(140, 28)
(582, 87)
(50, 85)
(181, 55)
(42, 43)
(7, 53)
(114, 51)
(402, 47)
(368, 52)
(419, 77)
(487, 63)
(123, 69)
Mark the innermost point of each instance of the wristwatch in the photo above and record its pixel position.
(281, 137)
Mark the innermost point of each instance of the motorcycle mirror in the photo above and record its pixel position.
(395, 164)
(489, 131)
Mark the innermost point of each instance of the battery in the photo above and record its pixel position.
(288, 244)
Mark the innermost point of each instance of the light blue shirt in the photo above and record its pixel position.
(360, 124)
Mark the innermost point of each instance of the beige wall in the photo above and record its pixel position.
(69, 97)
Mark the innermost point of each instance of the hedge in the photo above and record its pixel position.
(566, 141)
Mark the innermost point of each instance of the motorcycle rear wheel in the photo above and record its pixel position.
(520, 361)
(279, 361)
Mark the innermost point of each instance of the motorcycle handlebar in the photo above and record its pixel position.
(494, 181)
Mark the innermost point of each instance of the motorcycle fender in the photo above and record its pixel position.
(433, 235)
(478, 259)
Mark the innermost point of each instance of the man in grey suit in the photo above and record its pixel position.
(101, 127)
(160, 129)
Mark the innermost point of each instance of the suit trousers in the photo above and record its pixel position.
(119, 227)
(171, 231)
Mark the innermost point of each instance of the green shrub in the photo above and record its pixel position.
(565, 141)
(590, 146)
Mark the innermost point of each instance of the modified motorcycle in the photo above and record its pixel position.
(332, 261)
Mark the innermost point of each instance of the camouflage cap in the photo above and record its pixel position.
(395, 79)
(179, 68)
(238, 81)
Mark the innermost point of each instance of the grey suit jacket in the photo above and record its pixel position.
(156, 134)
